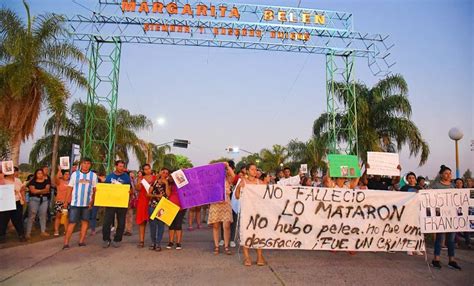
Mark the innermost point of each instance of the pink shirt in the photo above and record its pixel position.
(174, 198)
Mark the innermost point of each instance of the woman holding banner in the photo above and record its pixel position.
(251, 180)
(175, 229)
(222, 213)
(444, 183)
(141, 217)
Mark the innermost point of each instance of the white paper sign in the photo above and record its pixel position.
(146, 185)
(276, 217)
(180, 178)
(382, 163)
(64, 163)
(304, 168)
(7, 198)
(291, 181)
(7, 167)
(447, 210)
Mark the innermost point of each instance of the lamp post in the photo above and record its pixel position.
(456, 135)
(235, 149)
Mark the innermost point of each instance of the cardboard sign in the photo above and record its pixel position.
(346, 166)
(304, 168)
(384, 164)
(281, 217)
(446, 210)
(64, 163)
(112, 195)
(7, 168)
(206, 186)
(7, 198)
(165, 211)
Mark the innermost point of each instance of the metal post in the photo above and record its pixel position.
(99, 144)
(457, 159)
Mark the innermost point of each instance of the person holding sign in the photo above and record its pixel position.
(222, 213)
(175, 229)
(119, 176)
(251, 180)
(144, 182)
(444, 183)
(15, 215)
(413, 187)
(62, 201)
(40, 193)
(159, 189)
(81, 191)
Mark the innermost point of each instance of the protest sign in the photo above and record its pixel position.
(291, 181)
(382, 163)
(343, 166)
(112, 195)
(64, 163)
(7, 198)
(7, 167)
(446, 210)
(165, 211)
(206, 186)
(180, 178)
(304, 168)
(279, 217)
(146, 185)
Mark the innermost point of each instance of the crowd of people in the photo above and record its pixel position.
(73, 192)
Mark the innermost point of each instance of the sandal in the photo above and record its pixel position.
(262, 262)
(227, 251)
(216, 250)
(247, 261)
(141, 244)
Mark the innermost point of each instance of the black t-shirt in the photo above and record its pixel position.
(39, 186)
(408, 188)
(377, 185)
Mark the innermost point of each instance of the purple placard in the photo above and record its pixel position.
(206, 186)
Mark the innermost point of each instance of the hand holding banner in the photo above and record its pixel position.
(112, 195)
(165, 211)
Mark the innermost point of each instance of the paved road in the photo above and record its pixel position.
(44, 263)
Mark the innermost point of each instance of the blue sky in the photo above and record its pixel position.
(254, 99)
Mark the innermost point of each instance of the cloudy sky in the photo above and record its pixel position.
(254, 99)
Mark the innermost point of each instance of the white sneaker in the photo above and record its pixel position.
(221, 243)
(232, 244)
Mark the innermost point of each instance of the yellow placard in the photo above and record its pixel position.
(112, 195)
(165, 211)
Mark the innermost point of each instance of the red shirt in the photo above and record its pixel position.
(174, 198)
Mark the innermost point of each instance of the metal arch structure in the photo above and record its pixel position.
(225, 25)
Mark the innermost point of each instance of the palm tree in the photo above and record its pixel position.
(383, 119)
(311, 152)
(158, 156)
(35, 67)
(273, 158)
(72, 132)
(4, 144)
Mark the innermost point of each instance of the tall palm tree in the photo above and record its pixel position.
(273, 158)
(383, 119)
(71, 132)
(35, 66)
(311, 152)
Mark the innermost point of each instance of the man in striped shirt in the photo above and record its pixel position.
(81, 191)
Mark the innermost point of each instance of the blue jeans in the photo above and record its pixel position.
(157, 228)
(37, 206)
(449, 241)
(93, 218)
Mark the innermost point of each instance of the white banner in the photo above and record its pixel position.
(280, 217)
(446, 210)
(382, 163)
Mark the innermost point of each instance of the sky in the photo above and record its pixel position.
(253, 99)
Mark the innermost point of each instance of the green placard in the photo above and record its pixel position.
(346, 166)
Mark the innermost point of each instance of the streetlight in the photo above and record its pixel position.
(456, 135)
(236, 149)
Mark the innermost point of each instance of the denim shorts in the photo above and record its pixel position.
(78, 213)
